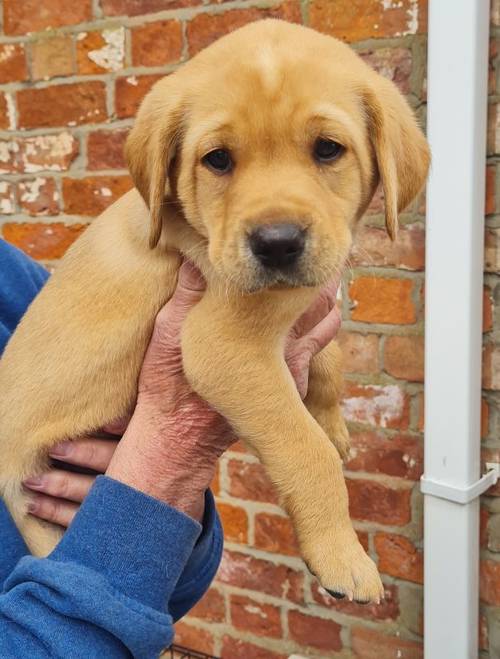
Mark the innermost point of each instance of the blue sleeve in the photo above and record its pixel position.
(20, 281)
(106, 586)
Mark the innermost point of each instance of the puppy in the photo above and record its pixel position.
(255, 159)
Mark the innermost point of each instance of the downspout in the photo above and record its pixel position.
(452, 483)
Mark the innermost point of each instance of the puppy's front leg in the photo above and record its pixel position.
(234, 360)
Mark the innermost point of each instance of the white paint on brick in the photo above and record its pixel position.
(132, 80)
(385, 406)
(110, 56)
(412, 21)
(255, 610)
(6, 53)
(31, 189)
(11, 111)
(106, 192)
(7, 148)
(7, 201)
(81, 36)
(56, 148)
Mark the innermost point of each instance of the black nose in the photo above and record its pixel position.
(277, 245)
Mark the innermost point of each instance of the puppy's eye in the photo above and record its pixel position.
(218, 160)
(327, 150)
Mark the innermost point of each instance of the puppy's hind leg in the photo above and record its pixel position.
(323, 395)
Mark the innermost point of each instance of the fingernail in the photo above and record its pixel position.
(36, 481)
(31, 506)
(61, 450)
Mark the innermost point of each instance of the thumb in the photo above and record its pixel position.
(189, 291)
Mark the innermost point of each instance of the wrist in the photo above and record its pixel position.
(165, 464)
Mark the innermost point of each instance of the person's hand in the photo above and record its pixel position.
(172, 443)
(58, 493)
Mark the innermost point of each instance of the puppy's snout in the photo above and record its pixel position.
(277, 245)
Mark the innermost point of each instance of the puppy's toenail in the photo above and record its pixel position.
(333, 593)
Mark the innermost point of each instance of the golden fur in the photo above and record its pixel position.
(266, 92)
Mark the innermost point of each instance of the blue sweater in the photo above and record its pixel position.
(127, 567)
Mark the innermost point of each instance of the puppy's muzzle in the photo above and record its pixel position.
(277, 246)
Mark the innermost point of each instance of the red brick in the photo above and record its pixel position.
(157, 44)
(490, 203)
(130, 91)
(215, 484)
(137, 7)
(234, 521)
(388, 609)
(194, 638)
(375, 502)
(399, 557)
(489, 582)
(12, 63)
(250, 481)
(400, 456)
(25, 16)
(39, 196)
(373, 247)
(381, 300)
(492, 251)
(386, 406)
(371, 644)
(275, 534)
(206, 28)
(393, 63)
(360, 352)
(250, 573)
(254, 617)
(37, 153)
(6, 121)
(90, 196)
(356, 20)
(42, 241)
(485, 418)
(211, 607)
(105, 149)
(233, 648)
(487, 309)
(62, 105)
(483, 527)
(312, 631)
(52, 57)
(7, 198)
(491, 366)
(404, 357)
(100, 52)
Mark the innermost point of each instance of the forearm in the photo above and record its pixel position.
(173, 465)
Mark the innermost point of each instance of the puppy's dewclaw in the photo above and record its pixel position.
(259, 169)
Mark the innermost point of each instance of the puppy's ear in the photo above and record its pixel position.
(401, 150)
(151, 147)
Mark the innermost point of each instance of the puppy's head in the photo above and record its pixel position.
(272, 141)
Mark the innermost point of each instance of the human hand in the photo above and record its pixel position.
(174, 439)
(57, 494)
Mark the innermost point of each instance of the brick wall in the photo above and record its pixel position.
(72, 75)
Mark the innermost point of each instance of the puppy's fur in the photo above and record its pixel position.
(266, 92)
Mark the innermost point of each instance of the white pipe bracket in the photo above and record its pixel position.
(462, 495)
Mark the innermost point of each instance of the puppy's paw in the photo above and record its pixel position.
(345, 570)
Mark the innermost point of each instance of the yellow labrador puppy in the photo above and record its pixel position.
(255, 159)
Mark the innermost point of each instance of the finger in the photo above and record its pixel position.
(321, 306)
(92, 453)
(190, 288)
(61, 484)
(52, 510)
(118, 426)
(324, 332)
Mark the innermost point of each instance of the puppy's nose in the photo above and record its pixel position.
(277, 245)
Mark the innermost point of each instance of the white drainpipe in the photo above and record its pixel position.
(457, 91)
